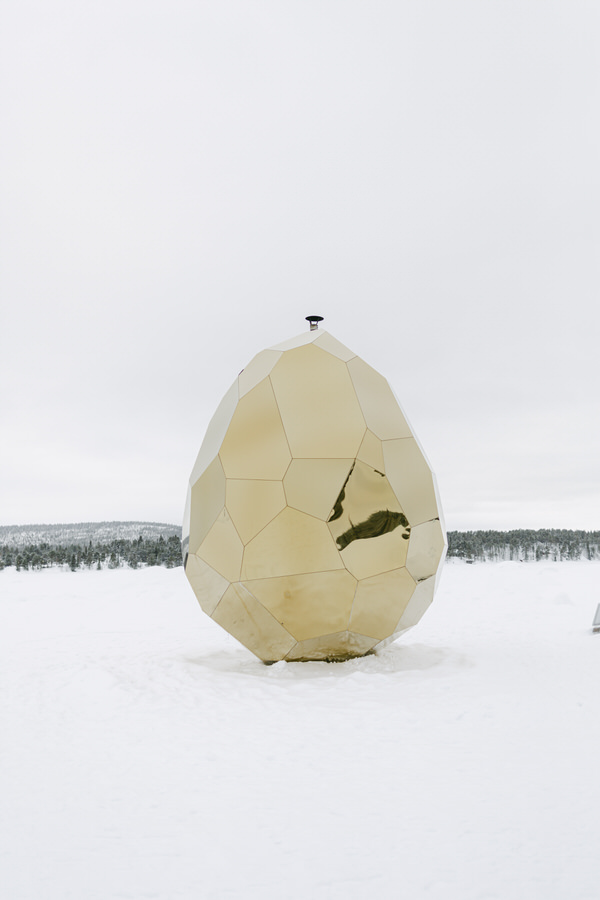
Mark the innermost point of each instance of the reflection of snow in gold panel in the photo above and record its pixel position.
(313, 485)
(371, 452)
(425, 550)
(246, 619)
(255, 444)
(222, 548)
(333, 346)
(308, 605)
(252, 504)
(291, 544)
(208, 499)
(208, 585)
(332, 646)
(379, 603)
(320, 412)
(410, 478)
(369, 557)
(257, 369)
(215, 432)
(380, 408)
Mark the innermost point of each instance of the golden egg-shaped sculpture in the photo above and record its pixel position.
(312, 529)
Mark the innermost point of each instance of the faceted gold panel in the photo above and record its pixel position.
(259, 368)
(216, 431)
(319, 408)
(293, 543)
(207, 501)
(308, 605)
(366, 558)
(381, 411)
(208, 585)
(371, 452)
(343, 645)
(365, 507)
(333, 346)
(379, 603)
(313, 485)
(255, 445)
(417, 605)
(246, 619)
(427, 544)
(410, 478)
(312, 511)
(252, 504)
(222, 548)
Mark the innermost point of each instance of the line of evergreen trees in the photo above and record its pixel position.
(481, 546)
(111, 555)
(528, 545)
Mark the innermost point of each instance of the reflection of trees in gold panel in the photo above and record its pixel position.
(312, 518)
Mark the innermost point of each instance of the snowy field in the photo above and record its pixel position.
(145, 754)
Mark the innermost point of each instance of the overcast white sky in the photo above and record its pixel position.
(183, 182)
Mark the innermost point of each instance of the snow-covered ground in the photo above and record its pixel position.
(145, 754)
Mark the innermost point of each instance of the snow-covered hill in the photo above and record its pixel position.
(84, 532)
(145, 754)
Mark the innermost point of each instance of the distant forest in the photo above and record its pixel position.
(108, 545)
(523, 545)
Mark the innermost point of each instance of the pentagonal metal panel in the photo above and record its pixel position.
(410, 477)
(222, 548)
(380, 601)
(313, 485)
(371, 452)
(425, 549)
(246, 619)
(216, 431)
(207, 501)
(257, 369)
(417, 605)
(365, 508)
(252, 504)
(367, 558)
(343, 645)
(255, 445)
(333, 346)
(380, 408)
(308, 605)
(319, 408)
(293, 543)
(207, 584)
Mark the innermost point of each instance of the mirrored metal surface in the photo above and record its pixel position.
(327, 342)
(310, 531)
(252, 504)
(207, 501)
(417, 605)
(344, 645)
(255, 445)
(371, 452)
(318, 404)
(216, 431)
(427, 544)
(381, 410)
(207, 584)
(293, 543)
(222, 548)
(410, 478)
(246, 619)
(380, 602)
(313, 485)
(257, 369)
(308, 605)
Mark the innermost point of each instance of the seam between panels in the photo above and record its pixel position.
(268, 611)
(282, 425)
